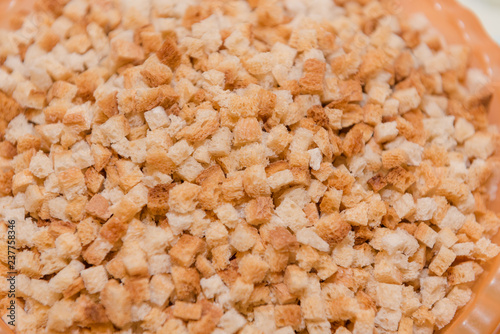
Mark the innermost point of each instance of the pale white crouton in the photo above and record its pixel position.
(82, 155)
(180, 151)
(307, 236)
(481, 145)
(227, 215)
(388, 319)
(408, 99)
(94, 278)
(212, 286)
(189, 169)
(42, 293)
(385, 132)
(66, 276)
(18, 127)
(68, 245)
(220, 144)
(157, 118)
(432, 289)
(159, 264)
(315, 158)
(292, 215)
(463, 130)
(161, 287)
(389, 296)
(231, 321)
(179, 222)
(301, 140)
(426, 206)
(404, 206)
(41, 165)
(444, 311)
(280, 179)
(394, 241)
(453, 219)
(57, 208)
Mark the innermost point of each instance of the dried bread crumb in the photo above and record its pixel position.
(248, 167)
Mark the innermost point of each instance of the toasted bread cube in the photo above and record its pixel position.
(278, 138)
(308, 236)
(385, 132)
(190, 169)
(66, 276)
(288, 315)
(183, 198)
(253, 269)
(295, 279)
(186, 282)
(161, 287)
(241, 291)
(158, 198)
(331, 201)
(463, 130)
(447, 237)
(243, 237)
(185, 250)
(212, 286)
(444, 311)
(389, 296)
(98, 206)
(426, 207)
(255, 181)
(41, 292)
(357, 215)
(481, 145)
(426, 235)
(280, 179)
(123, 51)
(316, 190)
(259, 211)
(94, 278)
(134, 260)
(28, 263)
(220, 144)
(227, 215)
(180, 151)
(231, 321)
(187, 311)
(117, 302)
(169, 54)
(453, 219)
(157, 118)
(60, 316)
(461, 273)
(216, 235)
(41, 165)
(247, 130)
(153, 71)
(68, 245)
(460, 296)
(442, 261)
(388, 319)
(292, 215)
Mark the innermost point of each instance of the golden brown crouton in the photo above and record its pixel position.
(158, 198)
(169, 54)
(185, 250)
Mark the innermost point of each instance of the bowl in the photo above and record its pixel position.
(482, 314)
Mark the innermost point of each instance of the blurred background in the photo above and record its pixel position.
(489, 13)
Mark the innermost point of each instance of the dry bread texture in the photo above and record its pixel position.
(250, 167)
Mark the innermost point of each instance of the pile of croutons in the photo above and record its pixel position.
(251, 167)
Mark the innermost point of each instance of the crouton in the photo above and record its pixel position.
(185, 250)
